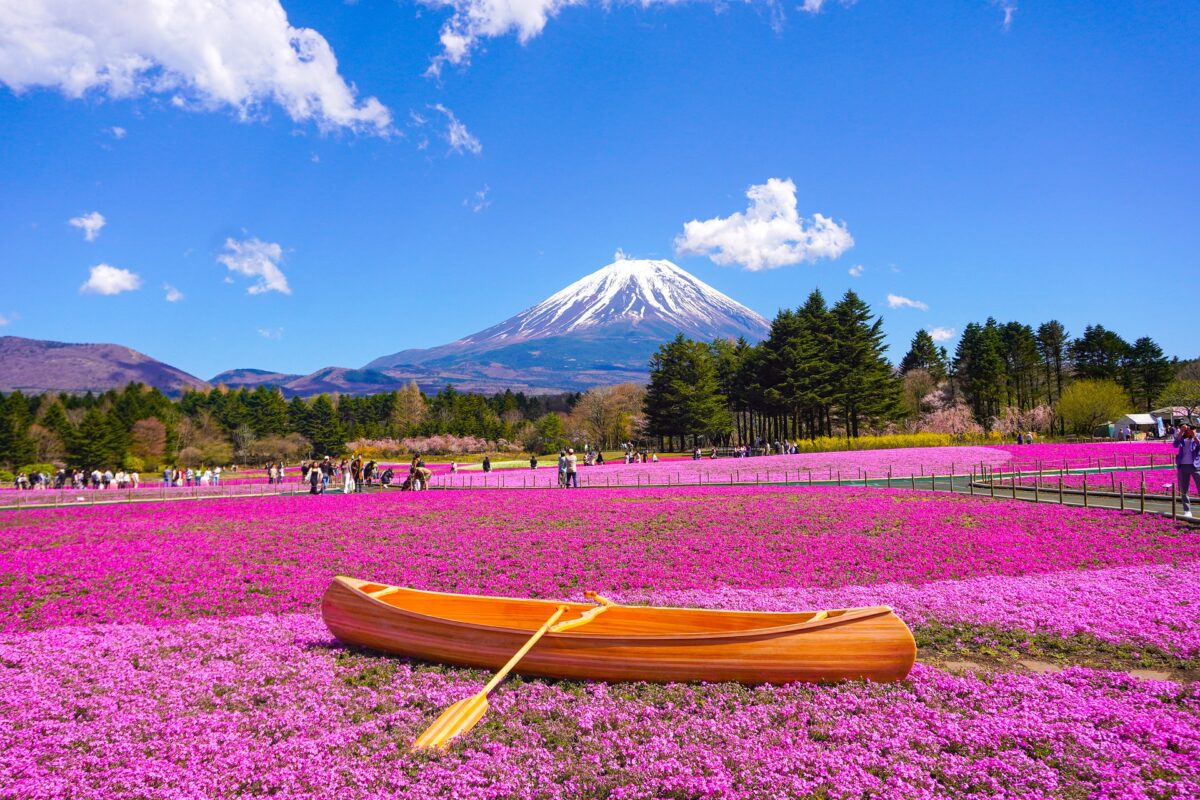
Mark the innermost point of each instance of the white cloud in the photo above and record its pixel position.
(856, 271)
(620, 255)
(942, 334)
(117, 132)
(203, 54)
(256, 259)
(173, 295)
(6, 320)
(90, 224)
(1009, 8)
(108, 280)
(274, 334)
(769, 234)
(479, 200)
(457, 135)
(898, 301)
(472, 21)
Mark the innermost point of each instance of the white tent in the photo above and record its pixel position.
(1138, 423)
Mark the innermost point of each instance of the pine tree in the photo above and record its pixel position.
(323, 429)
(864, 386)
(267, 412)
(92, 445)
(1099, 354)
(924, 354)
(1053, 341)
(1148, 372)
(16, 448)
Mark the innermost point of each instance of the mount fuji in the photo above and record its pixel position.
(602, 329)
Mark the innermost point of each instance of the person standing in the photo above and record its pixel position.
(216, 476)
(572, 467)
(533, 462)
(487, 464)
(314, 480)
(1187, 461)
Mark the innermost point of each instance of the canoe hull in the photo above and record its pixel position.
(875, 645)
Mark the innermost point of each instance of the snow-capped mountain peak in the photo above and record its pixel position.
(634, 292)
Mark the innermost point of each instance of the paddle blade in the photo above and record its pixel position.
(454, 721)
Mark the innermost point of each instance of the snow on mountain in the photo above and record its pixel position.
(630, 292)
(598, 331)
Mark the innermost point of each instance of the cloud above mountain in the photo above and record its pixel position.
(256, 259)
(770, 233)
(199, 54)
(105, 279)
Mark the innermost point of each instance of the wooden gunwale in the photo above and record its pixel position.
(816, 623)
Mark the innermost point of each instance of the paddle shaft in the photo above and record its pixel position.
(517, 656)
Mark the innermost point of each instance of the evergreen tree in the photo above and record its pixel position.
(323, 428)
(267, 412)
(16, 448)
(1053, 342)
(865, 388)
(1099, 354)
(1148, 372)
(684, 393)
(979, 369)
(92, 445)
(1022, 364)
(924, 354)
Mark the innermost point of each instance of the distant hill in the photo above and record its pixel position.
(237, 378)
(35, 366)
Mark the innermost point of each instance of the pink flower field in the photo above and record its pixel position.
(167, 650)
(851, 465)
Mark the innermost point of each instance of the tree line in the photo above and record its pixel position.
(139, 427)
(823, 371)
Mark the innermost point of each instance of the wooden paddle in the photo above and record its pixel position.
(465, 714)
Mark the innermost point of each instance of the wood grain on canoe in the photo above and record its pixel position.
(638, 643)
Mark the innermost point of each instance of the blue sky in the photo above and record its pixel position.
(1046, 168)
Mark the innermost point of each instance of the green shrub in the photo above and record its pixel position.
(6, 477)
(29, 469)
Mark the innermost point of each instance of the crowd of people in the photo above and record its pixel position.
(78, 479)
(201, 476)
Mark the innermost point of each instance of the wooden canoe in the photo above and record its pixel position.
(626, 643)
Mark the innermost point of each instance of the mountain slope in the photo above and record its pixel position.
(600, 329)
(36, 366)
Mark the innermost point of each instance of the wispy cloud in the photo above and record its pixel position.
(274, 334)
(769, 234)
(204, 55)
(117, 132)
(856, 271)
(942, 334)
(899, 301)
(89, 223)
(7, 319)
(1009, 8)
(173, 295)
(460, 139)
(256, 259)
(479, 200)
(105, 279)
